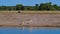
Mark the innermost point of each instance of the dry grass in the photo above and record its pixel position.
(8, 12)
(41, 12)
(31, 12)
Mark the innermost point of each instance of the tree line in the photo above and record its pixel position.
(43, 6)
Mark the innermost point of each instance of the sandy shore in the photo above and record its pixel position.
(22, 19)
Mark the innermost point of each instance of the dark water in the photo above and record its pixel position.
(29, 30)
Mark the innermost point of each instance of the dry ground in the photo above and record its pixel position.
(14, 18)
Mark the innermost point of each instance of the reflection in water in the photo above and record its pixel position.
(29, 30)
(23, 28)
(33, 28)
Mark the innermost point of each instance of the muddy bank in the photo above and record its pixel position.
(20, 19)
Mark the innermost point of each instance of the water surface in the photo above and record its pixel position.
(29, 30)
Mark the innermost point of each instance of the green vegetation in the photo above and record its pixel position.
(43, 6)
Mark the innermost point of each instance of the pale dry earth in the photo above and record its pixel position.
(40, 19)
